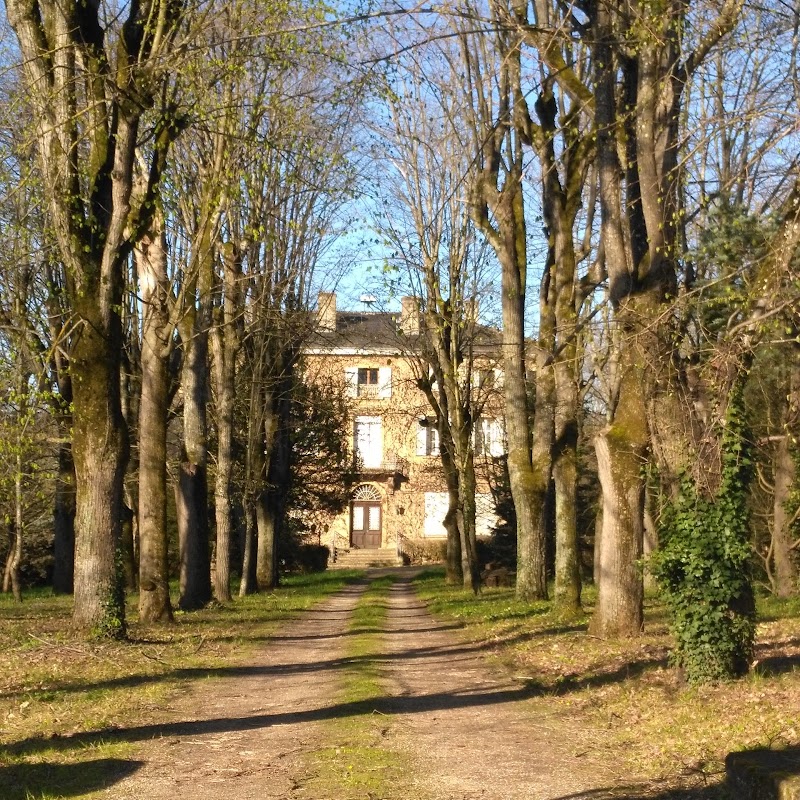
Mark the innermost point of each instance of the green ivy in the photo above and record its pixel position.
(113, 624)
(704, 564)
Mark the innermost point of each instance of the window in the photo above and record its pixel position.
(490, 438)
(367, 384)
(488, 380)
(368, 441)
(427, 437)
(368, 381)
(436, 505)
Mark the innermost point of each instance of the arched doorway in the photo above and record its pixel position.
(366, 518)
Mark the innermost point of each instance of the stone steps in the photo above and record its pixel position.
(364, 559)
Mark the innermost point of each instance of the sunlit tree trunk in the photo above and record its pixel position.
(225, 344)
(151, 258)
(784, 512)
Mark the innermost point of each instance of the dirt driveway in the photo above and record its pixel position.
(464, 726)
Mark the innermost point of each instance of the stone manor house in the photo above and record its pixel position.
(400, 499)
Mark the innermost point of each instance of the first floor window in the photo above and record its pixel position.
(368, 441)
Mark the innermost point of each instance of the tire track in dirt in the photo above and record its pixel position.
(464, 724)
(247, 736)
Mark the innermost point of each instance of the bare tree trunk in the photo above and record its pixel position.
(598, 538)
(267, 544)
(15, 557)
(154, 600)
(128, 549)
(275, 497)
(224, 377)
(266, 554)
(567, 593)
(100, 448)
(255, 467)
(249, 582)
(621, 451)
(650, 538)
(785, 573)
(8, 565)
(191, 487)
(454, 572)
(225, 344)
(470, 565)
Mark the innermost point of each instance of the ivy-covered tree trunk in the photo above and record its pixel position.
(704, 564)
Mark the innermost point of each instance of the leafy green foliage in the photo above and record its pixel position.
(704, 564)
(322, 468)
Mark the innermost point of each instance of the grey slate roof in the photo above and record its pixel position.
(381, 329)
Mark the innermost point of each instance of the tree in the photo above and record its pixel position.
(494, 107)
(89, 87)
(442, 261)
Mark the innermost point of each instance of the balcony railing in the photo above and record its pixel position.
(389, 466)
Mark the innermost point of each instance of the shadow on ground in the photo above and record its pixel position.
(24, 781)
(650, 792)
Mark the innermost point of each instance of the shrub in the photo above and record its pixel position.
(308, 558)
(704, 565)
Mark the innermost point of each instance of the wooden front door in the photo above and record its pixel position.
(366, 524)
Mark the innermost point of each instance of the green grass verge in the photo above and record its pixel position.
(357, 763)
(60, 694)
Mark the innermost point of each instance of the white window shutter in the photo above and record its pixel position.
(422, 440)
(351, 381)
(384, 382)
(495, 438)
(434, 440)
(499, 376)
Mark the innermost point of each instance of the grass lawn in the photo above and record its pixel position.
(633, 708)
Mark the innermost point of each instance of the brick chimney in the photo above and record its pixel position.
(409, 315)
(472, 310)
(326, 311)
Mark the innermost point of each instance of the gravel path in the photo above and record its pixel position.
(463, 725)
(245, 736)
(464, 722)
